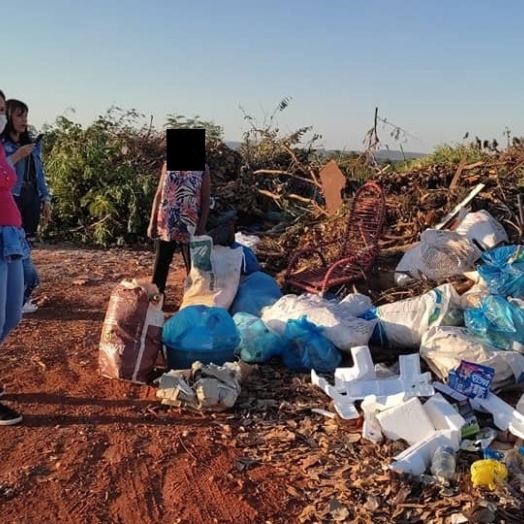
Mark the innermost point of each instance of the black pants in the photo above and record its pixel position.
(30, 207)
(164, 252)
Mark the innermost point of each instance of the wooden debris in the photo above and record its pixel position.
(333, 182)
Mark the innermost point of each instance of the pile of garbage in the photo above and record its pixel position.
(471, 345)
(460, 350)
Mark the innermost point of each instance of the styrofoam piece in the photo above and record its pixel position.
(505, 416)
(417, 458)
(344, 406)
(374, 404)
(409, 365)
(444, 416)
(363, 368)
(408, 421)
(411, 381)
(323, 412)
(371, 429)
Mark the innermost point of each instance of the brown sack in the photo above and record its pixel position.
(132, 332)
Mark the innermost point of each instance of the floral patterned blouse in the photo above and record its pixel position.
(179, 209)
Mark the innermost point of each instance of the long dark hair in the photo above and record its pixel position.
(2, 94)
(17, 106)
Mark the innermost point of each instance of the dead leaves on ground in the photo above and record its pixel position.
(333, 474)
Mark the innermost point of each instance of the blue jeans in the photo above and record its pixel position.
(31, 278)
(11, 295)
(13, 250)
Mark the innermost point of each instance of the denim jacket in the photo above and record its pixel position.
(10, 148)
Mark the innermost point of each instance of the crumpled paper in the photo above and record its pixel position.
(204, 387)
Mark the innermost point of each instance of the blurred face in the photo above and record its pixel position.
(19, 120)
(3, 118)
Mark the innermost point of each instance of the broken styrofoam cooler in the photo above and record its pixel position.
(416, 459)
(360, 380)
(357, 382)
(424, 427)
(407, 421)
(406, 418)
(505, 417)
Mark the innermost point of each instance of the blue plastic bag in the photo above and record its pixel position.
(501, 276)
(200, 333)
(257, 343)
(497, 321)
(255, 292)
(250, 262)
(309, 349)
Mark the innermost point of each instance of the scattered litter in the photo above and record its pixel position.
(461, 403)
(250, 241)
(472, 380)
(490, 473)
(203, 387)
(323, 412)
(410, 382)
(504, 416)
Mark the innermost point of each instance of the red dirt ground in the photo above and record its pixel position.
(95, 450)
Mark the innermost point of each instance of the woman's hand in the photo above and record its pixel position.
(22, 152)
(151, 231)
(26, 150)
(46, 212)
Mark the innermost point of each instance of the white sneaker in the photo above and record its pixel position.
(29, 307)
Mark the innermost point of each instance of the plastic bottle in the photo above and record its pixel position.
(443, 463)
(514, 460)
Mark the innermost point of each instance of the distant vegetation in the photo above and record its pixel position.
(103, 176)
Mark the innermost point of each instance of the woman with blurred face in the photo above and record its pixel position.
(30, 191)
(13, 249)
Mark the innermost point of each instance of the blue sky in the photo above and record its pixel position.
(436, 68)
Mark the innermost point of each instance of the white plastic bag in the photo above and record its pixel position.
(341, 328)
(249, 241)
(214, 276)
(438, 255)
(402, 324)
(443, 348)
(482, 228)
(356, 304)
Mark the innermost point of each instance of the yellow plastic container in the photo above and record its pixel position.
(488, 473)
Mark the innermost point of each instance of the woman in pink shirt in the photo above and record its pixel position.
(13, 249)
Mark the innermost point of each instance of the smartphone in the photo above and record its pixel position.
(39, 138)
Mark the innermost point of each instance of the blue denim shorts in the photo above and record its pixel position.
(13, 244)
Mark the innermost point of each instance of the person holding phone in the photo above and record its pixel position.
(13, 249)
(31, 192)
